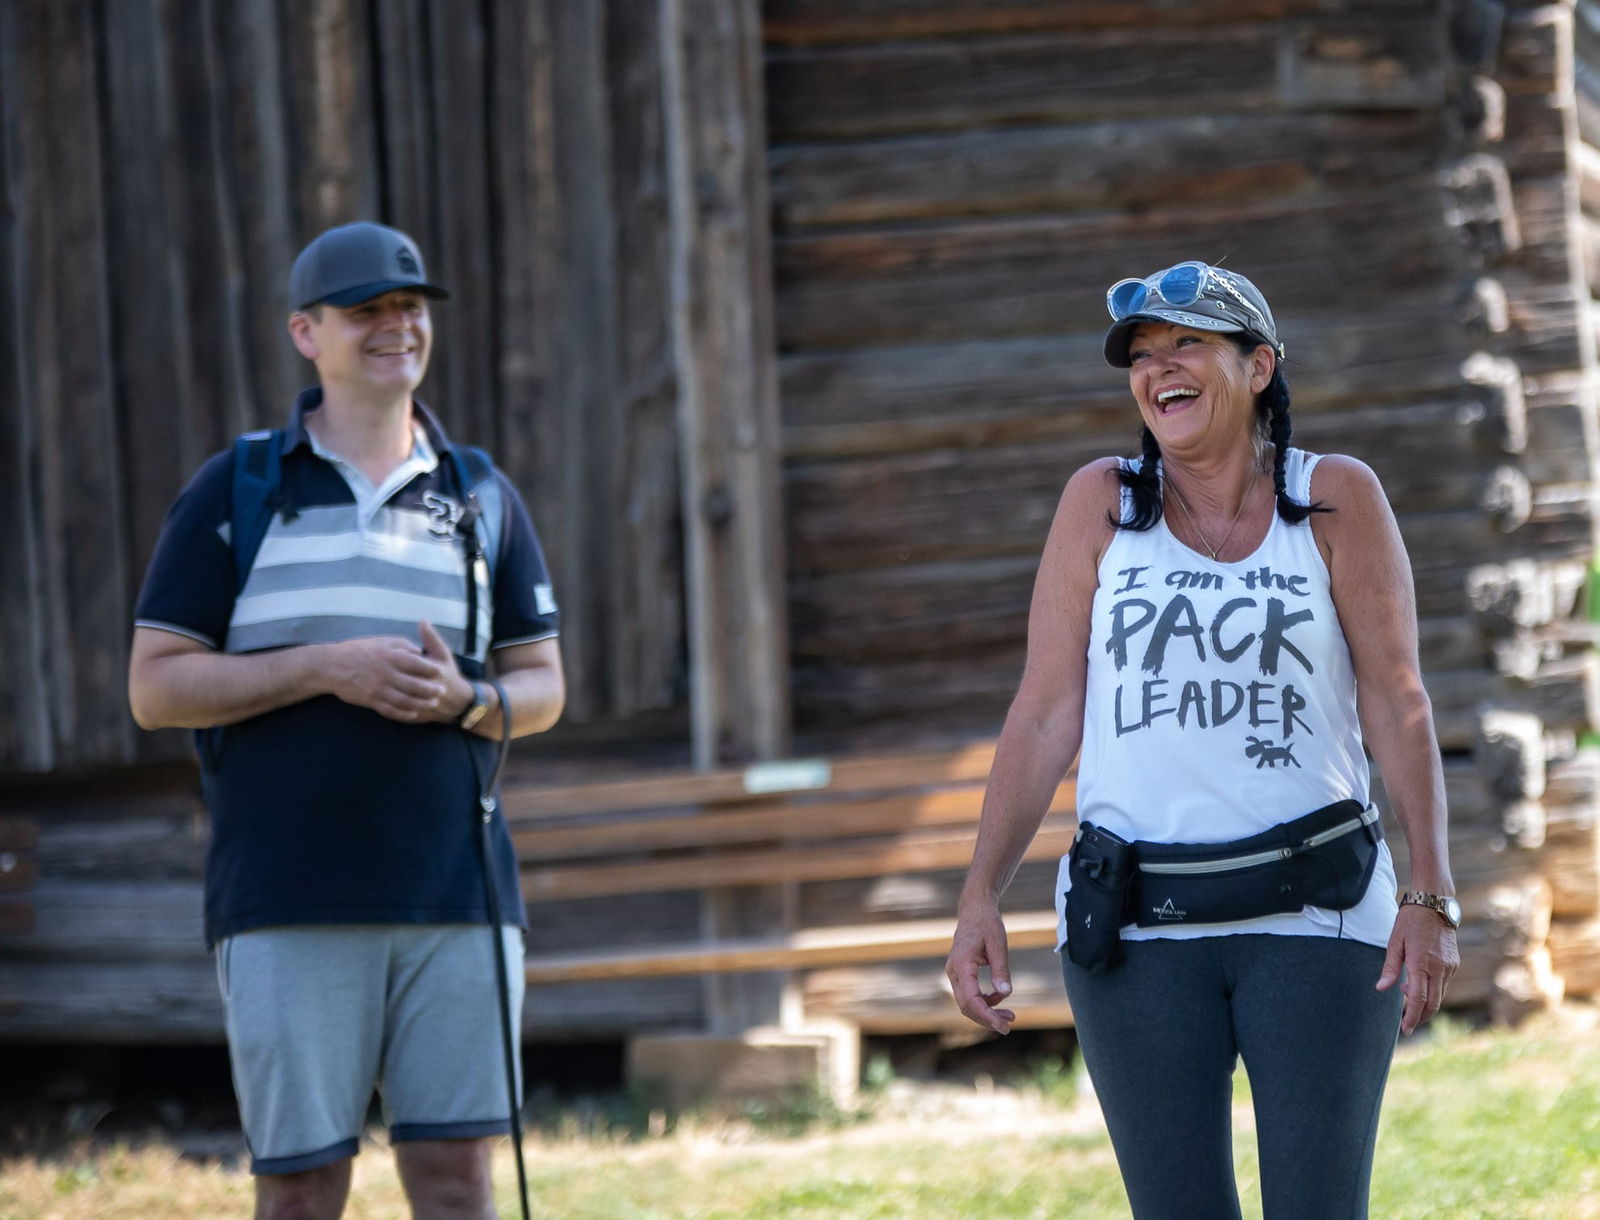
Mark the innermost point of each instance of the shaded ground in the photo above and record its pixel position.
(63, 1100)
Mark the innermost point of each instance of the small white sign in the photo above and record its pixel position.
(788, 775)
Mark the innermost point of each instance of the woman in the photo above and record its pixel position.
(1215, 624)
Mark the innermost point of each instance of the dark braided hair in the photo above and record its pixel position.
(1272, 419)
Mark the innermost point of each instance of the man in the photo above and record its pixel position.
(345, 737)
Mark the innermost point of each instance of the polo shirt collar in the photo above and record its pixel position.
(427, 446)
(310, 398)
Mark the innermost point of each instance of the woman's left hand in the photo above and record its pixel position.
(1422, 945)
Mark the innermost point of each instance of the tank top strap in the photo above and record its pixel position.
(1125, 493)
(1297, 468)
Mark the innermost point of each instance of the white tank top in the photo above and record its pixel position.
(1220, 701)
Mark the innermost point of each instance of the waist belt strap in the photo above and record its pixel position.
(1227, 859)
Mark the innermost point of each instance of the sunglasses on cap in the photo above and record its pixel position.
(1178, 287)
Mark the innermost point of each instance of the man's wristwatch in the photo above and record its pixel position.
(477, 709)
(1447, 907)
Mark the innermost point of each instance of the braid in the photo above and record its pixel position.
(1274, 401)
(1144, 484)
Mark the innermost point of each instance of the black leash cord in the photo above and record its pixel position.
(487, 801)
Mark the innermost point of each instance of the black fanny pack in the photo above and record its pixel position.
(1324, 859)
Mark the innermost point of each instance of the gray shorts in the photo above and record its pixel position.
(317, 1017)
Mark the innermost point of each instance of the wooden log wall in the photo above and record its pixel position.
(955, 184)
(952, 184)
(113, 950)
(161, 161)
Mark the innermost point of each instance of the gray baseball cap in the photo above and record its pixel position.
(352, 263)
(1193, 294)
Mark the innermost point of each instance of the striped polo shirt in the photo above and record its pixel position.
(325, 812)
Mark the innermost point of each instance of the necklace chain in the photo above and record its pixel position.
(1200, 533)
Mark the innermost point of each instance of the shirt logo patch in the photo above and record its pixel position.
(544, 599)
(444, 514)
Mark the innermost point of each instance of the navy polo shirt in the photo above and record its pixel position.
(323, 812)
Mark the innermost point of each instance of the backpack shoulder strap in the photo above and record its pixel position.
(257, 490)
(474, 474)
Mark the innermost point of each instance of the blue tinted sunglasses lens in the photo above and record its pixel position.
(1127, 297)
(1182, 285)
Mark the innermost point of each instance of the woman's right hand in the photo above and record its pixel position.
(980, 940)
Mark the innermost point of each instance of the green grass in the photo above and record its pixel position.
(1478, 1125)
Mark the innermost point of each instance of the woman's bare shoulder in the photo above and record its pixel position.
(1090, 504)
(1339, 476)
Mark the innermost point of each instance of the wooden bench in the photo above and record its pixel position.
(804, 827)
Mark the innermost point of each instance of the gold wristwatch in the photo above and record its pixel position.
(477, 709)
(1447, 907)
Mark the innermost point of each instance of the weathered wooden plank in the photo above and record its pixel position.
(1359, 63)
(1536, 52)
(1541, 136)
(1406, 443)
(1197, 157)
(1586, 77)
(116, 1003)
(968, 393)
(1575, 954)
(1547, 224)
(405, 121)
(111, 919)
(586, 342)
(860, 773)
(123, 1003)
(1586, 167)
(646, 598)
(912, 896)
(726, 356)
(615, 1008)
(64, 332)
(529, 297)
(946, 1018)
(170, 847)
(1045, 274)
(1557, 440)
(329, 73)
(461, 252)
(25, 738)
(114, 921)
(794, 824)
(819, 92)
(868, 857)
(223, 380)
(260, 167)
(1547, 322)
(643, 921)
(821, 21)
(903, 610)
(151, 318)
(914, 995)
(799, 950)
(881, 88)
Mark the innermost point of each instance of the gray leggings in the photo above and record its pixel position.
(1160, 1034)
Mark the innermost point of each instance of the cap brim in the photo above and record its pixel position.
(347, 297)
(1116, 345)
